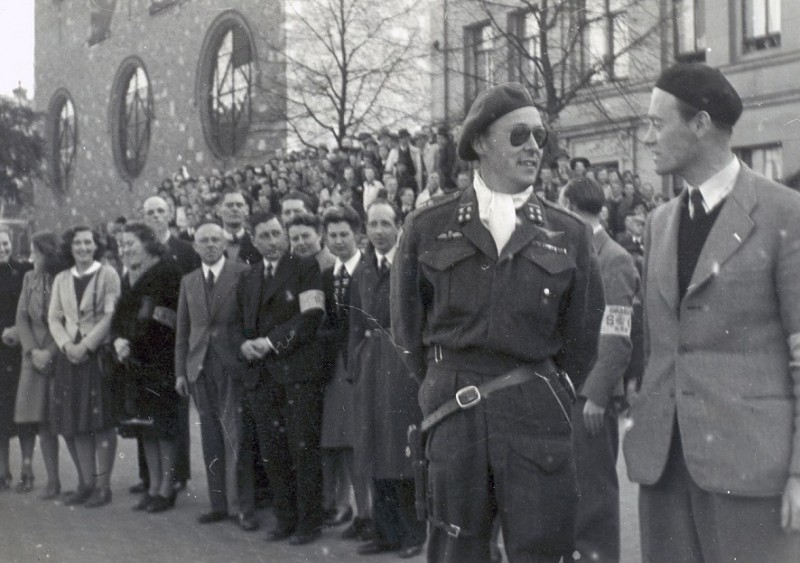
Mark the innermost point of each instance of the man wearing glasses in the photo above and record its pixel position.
(496, 296)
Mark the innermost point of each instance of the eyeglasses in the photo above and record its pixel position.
(520, 134)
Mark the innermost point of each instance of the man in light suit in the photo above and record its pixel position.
(714, 438)
(207, 367)
(595, 428)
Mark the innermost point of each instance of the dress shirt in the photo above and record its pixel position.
(216, 268)
(350, 265)
(719, 185)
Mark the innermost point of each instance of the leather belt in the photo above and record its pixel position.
(469, 396)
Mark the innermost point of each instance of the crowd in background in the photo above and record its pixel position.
(63, 317)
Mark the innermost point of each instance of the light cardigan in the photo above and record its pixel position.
(93, 318)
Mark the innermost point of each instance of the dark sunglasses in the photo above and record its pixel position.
(520, 134)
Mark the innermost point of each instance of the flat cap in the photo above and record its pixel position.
(489, 106)
(704, 88)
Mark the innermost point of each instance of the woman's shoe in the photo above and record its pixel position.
(144, 502)
(160, 504)
(78, 497)
(5, 482)
(101, 496)
(25, 484)
(51, 491)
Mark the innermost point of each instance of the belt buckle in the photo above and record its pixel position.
(467, 397)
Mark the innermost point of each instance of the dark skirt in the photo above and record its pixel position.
(83, 398)
(9, 379)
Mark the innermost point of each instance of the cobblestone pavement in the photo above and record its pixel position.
(39, 531)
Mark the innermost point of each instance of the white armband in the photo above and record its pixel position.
(312, 299)
(617, 321)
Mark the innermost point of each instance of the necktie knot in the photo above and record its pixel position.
(210, 280)
(383, 265)
(698, 208)
(341, 282)
(268, 271)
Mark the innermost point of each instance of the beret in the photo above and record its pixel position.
(489, 106)
(704, 88)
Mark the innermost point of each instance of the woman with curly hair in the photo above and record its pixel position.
(82, 407)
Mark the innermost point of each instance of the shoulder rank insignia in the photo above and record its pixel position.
(464, 213)
(534, 213)
(449, 235)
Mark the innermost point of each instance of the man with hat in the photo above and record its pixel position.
(495, 296)
(715, 433)
(405, 155)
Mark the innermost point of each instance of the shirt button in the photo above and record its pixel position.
(547, 291)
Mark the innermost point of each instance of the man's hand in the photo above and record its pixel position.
(182, 387)
(593, 417)
(122, 346)
(10, 337)
(251, 351)
(790, 505)
(41, 358)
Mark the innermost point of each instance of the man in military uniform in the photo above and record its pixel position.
(495, 294)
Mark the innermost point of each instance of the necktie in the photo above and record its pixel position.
(383, 265)
(210, 281)
(341, 283)
(698, 210)
(268, 272)
(235, 240)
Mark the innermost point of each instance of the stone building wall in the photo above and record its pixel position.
(168, 37)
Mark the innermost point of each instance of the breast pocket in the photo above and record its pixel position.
(461, 276)
(546, 277)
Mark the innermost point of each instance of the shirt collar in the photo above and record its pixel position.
(216, 268)
(274, 265)
(89, 271)
(238, 235)
(719, 185)
(389, 255)
(350, 265)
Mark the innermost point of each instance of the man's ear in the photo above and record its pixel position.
(479, 144)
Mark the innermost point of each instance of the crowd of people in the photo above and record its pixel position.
(264, 295)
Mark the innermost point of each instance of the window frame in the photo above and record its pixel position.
(128, 71)
(227, 22)
(698, 53)
(61, 174)
(532, 46)
(473, 39)
(752, 43)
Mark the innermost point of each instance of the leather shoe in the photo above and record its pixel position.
(160, 504)
(101, 496)
(353, 531)
(144, 502)
(247, 522)
(138, 488)
(375, 547)
(280, 533)
(339, 517)
(78, 497)
(411, 551)
(303, 539)
(212, 517)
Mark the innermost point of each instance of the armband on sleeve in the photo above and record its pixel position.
(312, 299)
(616, 321)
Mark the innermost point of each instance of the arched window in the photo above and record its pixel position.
(132, 115)
(227, 69)
(63, 140)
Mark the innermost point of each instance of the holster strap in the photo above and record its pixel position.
(469, 396)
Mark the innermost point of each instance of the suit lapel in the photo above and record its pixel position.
(280, 275)
(221, 288)
(664, 250)
(732, 227)
(197, 290)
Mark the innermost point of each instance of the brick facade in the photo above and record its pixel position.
(169, 38)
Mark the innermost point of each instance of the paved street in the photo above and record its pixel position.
(34, 530)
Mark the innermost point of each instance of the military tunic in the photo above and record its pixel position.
(462, 315)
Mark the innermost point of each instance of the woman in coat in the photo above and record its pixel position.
(11, 275)
(82, 405)
(144, 341)
(38, 357)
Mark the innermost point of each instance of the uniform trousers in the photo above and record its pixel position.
(286, 420)
(510, 454)
(217, 397)
(597, 534)
(682, 523)
(395, 515)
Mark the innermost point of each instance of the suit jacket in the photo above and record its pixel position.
(620, 289)
(205, 323)
(247, 251)
(416, 158)
(333, 333)
(719, 359)
(279, 310)
(182, 254)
